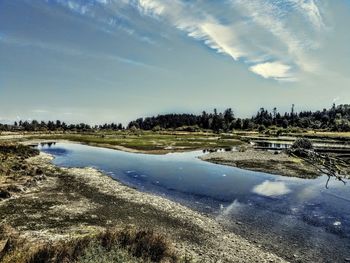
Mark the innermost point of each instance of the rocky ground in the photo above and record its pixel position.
(44, 203)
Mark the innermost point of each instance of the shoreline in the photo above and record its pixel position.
(264, 161)
(254, 160)
(83, 200)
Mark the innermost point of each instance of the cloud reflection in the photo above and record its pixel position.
(269, 188)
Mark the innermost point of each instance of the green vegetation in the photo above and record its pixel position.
(149, 141)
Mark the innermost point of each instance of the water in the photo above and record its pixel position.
(272, 145)
(289, 216)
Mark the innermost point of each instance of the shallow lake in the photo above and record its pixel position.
(295, 217)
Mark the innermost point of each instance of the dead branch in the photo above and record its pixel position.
(324, 163)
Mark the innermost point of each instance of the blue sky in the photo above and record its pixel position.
(115, 60)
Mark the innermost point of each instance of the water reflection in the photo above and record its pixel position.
(269, 188)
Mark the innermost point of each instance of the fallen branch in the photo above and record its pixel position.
(324, 163)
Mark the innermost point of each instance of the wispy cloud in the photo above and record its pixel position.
(196, 23)
(273, 17)
(310, 10)
(109, 16)
(263, 34)
(75, 52)
(75, 7)
(231, 38)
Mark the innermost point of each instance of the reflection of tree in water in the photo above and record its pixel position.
(329, 165)
(49, 144)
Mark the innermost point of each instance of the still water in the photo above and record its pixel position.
(298, 217)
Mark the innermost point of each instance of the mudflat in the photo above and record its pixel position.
(264, 161)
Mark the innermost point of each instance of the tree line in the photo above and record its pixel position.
(336, 118)
(57, 125)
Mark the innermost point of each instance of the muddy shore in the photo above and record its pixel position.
(70, 202)
(264, 161)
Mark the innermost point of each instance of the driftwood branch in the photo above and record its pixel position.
(331, 166)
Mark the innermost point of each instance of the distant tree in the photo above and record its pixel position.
(238, 124)
(228, 117)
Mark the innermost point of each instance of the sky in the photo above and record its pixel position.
(100, 61)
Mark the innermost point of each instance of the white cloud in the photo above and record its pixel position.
(218, 37)
(271, 189)
(256, 32)
(274, 20)
(310, 10)
(151, 7)
(270, 17)
(275, 70)
(74, 6)
(197, 24)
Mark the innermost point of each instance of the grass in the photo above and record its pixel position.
(322, 137)
(149, 141)
(11, 160)
(19, 150)
(95, 253)
(113, 245)
(167, 141)
(340, 136)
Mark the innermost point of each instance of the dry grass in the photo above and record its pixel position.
(17, 149)
(144, 244)
(113, 245)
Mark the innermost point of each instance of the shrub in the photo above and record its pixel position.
(300, 147)
(262, 128)
(302, 143)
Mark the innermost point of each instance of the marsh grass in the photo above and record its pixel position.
(19, 150)
(149, 141)
(127, 245)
